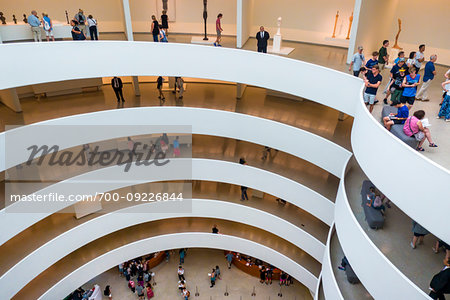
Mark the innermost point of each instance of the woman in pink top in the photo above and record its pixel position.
(218, 31)
(413, 127)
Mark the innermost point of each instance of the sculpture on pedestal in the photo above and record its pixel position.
(25, 20)
(279, 26)
(276, 47)
(14, 19)
(2, 18)
(396, 46)
(349, 27)
(67, 17)
(335, 24)
(205, 16)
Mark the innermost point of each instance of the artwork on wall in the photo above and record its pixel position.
(169, 6)
(2, 18)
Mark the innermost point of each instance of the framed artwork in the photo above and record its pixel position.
(169, 6)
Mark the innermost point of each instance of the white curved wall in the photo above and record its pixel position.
(330, 286)
(247, 67)
(379, 276)
(39, 260)
(413, 182)
(174, 241)
(314, 148)
(178, 169)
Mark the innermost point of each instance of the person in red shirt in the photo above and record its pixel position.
(219, 31)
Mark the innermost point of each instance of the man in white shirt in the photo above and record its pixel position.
(358, 61)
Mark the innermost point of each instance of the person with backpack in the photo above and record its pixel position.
(92, 23)
(81, 19)
(48, 27)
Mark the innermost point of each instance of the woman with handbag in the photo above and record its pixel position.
(413, 127)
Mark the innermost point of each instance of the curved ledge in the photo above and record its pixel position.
(315, 149)
(432, 176)
(193, 61)
(39, 260)
(354, 242)
(174, 241)
(178, 169)
(329, 284)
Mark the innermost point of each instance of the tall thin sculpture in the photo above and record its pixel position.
(205, 16)
(349, 27)
(396, 46)
(335, 24)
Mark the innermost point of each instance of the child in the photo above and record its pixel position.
(401, 54)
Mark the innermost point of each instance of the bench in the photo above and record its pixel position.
(397, 129)
(374, 217)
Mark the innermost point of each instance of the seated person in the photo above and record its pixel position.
(414, 128)
(375, 201)
(398, 118)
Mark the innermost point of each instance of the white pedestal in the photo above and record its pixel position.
(199, 40)
(276, 43)
(276, 46)
(22, 31)
(283, 50)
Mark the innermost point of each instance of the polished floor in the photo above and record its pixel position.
(419, 264)
(47, 229)
(197, 264)
(125, 236)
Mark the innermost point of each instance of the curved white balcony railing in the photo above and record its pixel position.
(39, 260)
(329, 283)
(343, 92)
(225, 64)
(314, 148)
(408, 178)
(16, 217)
(175, 241)
(367, 260)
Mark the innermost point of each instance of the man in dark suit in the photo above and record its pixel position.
(262, 37)
(117, 86)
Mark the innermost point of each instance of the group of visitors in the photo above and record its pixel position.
(35, 25)
(404, 79)
(376, 199)
(78, 23)
(160, 30)
(138, 277)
